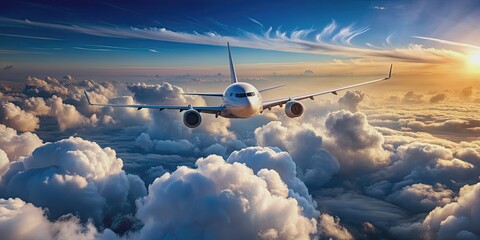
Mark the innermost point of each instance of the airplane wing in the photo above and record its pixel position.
(205, 94)
(203, 109)
(276, 102)
(270, 88)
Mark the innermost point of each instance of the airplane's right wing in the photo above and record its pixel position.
(203, 109)
(276, 102)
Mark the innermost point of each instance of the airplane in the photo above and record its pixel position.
(240, 100)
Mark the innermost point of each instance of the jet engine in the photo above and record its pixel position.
(293, 109)
(192, 118)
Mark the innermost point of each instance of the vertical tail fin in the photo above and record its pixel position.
(232, 68)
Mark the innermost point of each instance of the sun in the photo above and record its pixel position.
(474, 59)
(473, 63)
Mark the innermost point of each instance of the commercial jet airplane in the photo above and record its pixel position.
(240, 100)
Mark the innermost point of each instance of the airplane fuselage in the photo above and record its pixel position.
(241, 100)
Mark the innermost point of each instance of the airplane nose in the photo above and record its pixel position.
(249, 102)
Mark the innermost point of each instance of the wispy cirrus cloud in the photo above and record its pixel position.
(26, 36)
(453, 43)
(255, 21)
(378, 7)
(331, 40)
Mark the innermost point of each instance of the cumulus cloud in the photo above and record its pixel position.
(315, 166)
(67, 115)
(357, 145)
(123, 116)
(15, 145)
(68, 77)
(450, 125)
(411, 98)
(14, 117)
(457, 219)
(65, 101)
(467, 92)
(421, 197)
(74, 176)
(258, 158)
(44, 88)
(418, 162)
(438, 98)
(352, 99)
(3, 162)
(221, 200)
(331, 228)
(24, 221)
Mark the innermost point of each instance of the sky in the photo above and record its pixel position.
(171, 38)
(398, 159)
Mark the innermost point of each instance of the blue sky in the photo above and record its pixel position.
(58, 36)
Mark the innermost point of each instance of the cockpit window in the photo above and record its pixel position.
(242, 95)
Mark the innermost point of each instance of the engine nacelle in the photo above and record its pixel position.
(192, 118)
(293, 109)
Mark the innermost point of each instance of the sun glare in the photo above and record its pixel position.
(474, 63)
(474, 59)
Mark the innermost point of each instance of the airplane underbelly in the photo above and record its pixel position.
(241, 112)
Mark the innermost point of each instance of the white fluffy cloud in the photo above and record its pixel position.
(357, 145)
(352, 99)
(24, 221)
(124, 116)
(331, 228)
(16, 118)
(315, 165)
(16, 145)
(74, 176)
(3, 162)
(67, 115)
(456, 220)
(421, 197)
(222, 200)
(258, 158)
(45, 88)
(459, 219)
(418, 162)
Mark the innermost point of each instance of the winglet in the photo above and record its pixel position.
(390, 73)
(86, 95)
(232, 68)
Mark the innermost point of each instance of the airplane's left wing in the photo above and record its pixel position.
(203, 109)
(276, 102)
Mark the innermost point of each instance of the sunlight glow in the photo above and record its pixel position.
(473, 62)
(474, 59)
